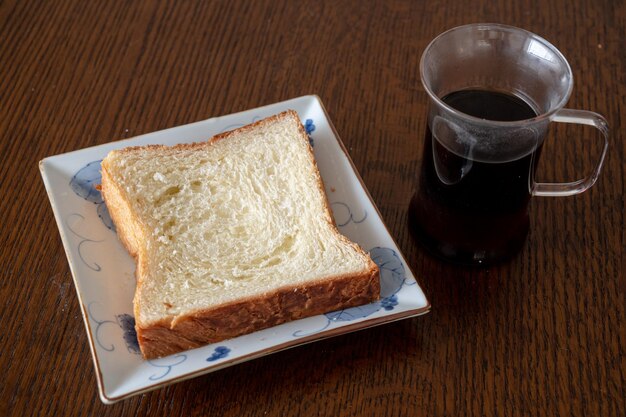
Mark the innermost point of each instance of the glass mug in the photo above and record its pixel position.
(493, 90)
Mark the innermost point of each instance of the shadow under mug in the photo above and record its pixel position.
(493, 91)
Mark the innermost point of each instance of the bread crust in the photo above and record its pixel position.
(256, 313)
(191, 330)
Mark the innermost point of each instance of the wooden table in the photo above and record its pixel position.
(544, 334)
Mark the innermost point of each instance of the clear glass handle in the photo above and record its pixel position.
(570, 188)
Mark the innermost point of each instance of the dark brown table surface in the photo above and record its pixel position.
(542, 335)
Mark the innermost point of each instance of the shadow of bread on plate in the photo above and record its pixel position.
(231, 236)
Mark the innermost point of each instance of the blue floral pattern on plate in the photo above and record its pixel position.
(343, 214)
(166, 364)
(392, 278)
(70, 222)
(127, 323)
(84, 183)
(309, 127)
(389, 303)
(220, 352)
(99, 325)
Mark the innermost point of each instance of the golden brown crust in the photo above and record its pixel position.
(220, 136)
(188, 331)
(128, 227)
(120, 212)
(246, 316)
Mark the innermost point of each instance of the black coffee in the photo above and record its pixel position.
(470, 211)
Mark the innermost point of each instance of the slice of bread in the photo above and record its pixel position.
(231, 236)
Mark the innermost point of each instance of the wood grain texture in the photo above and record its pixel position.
(544, 334)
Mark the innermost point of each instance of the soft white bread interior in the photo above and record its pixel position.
(230, 236)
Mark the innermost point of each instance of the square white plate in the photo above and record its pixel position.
(104, 272)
